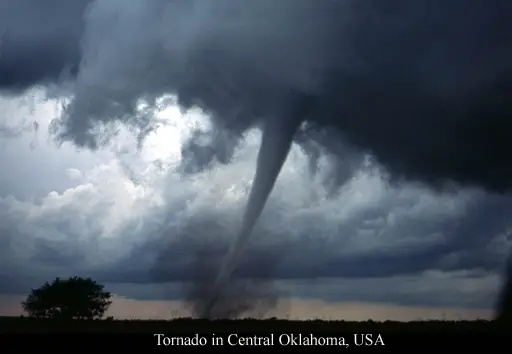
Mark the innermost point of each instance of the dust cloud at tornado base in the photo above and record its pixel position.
(250, 292)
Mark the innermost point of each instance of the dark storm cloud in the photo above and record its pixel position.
(424, 86)
(341, 158)
(204, 148)
(39, 41)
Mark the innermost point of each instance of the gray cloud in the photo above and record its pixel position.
(39, 42)
(204, 148)
(394, 78)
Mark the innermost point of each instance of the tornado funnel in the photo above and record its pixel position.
(275, 145)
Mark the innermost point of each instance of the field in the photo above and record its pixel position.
(25, 325)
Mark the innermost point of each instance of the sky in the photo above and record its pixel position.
(123, 157)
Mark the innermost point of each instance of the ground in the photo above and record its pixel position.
(24, 325)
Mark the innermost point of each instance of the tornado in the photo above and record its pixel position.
(276, 141)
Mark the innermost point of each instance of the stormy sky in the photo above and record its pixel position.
(129, 134)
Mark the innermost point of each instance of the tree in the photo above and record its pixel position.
(74, 298)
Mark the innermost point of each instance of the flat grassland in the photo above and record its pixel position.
(185, 325)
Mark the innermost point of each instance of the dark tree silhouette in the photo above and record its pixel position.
(74, 298)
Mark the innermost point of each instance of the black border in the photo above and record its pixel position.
(470, 340)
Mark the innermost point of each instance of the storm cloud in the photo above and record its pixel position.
(423, 86)
(39, 42)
